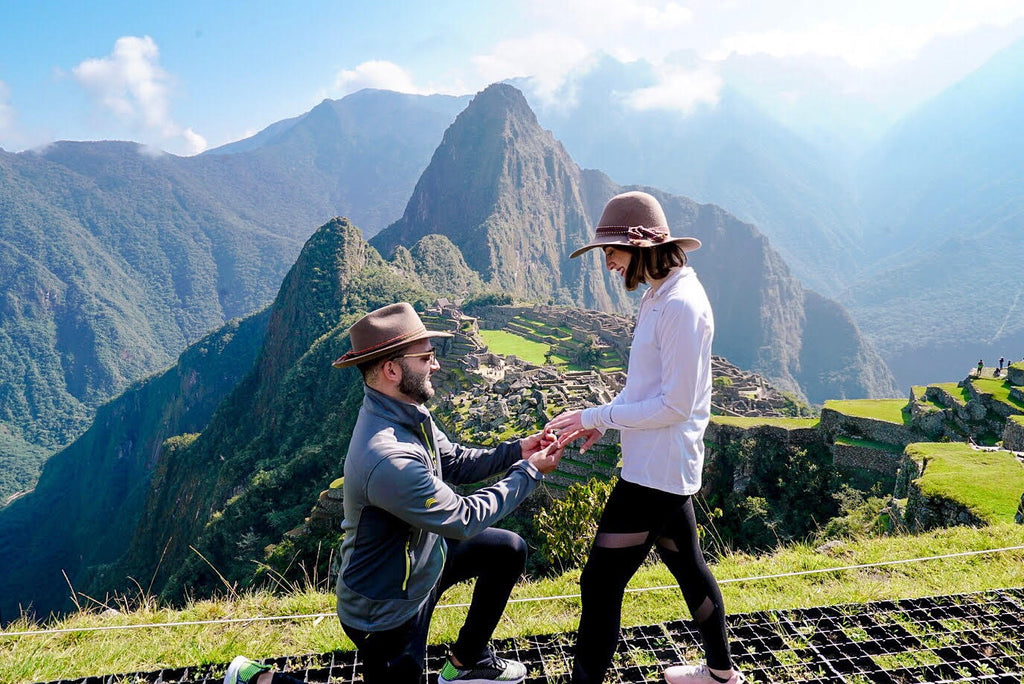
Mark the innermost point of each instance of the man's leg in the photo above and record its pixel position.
(395, 656)
(496, 559)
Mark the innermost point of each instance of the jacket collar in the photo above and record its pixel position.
(394, 411)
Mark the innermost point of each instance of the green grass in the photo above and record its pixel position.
(954, 390)
(753, 421)
(869, 444)
(988, 483)
(506, 343)
(920, 397)
(999, 389)
(889, 410)
(57, 656)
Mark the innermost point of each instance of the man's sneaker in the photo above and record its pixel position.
(489, 669)
(699, 674)
(242, 671)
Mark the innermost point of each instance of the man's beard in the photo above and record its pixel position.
(415, 385)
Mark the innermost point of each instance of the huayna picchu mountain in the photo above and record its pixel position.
(506, 193)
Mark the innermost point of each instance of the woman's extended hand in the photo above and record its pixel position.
(569, 426)
(535, 442)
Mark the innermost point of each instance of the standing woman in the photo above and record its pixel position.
(661, 414)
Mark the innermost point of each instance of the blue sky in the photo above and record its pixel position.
(185, 76)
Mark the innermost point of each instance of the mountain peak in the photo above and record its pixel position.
(507, 194)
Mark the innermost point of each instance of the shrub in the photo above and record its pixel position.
(567, 525)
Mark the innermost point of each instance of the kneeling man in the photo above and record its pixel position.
(408, 535)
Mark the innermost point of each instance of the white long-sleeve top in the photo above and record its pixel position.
(665, 407)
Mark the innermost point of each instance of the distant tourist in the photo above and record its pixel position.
(1001, 361)
(408, 535)
(661, 414)
(981, 365)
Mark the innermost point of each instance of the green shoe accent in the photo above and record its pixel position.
(242, 670)
(450, 672)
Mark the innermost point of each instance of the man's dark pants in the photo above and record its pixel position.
(496, 559)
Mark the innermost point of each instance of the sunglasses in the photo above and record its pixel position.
(430, 355)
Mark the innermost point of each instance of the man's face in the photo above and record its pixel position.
(417, 363)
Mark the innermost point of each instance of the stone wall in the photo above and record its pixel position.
(1013, 434)
(835, 424)
(992, 405)
(718, 434)
(855, 456)
(927, 513)
(1015, 373)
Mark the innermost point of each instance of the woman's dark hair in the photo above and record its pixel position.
(651, 263)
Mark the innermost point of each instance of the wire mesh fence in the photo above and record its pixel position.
(976, 637)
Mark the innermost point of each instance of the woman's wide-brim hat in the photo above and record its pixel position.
(384, 331)
(634, 219)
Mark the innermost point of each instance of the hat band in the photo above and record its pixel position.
(385, 343)
(635, 234)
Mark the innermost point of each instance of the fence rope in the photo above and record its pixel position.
(635, 590)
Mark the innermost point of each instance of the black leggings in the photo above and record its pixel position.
(496, 559)
(634, 518)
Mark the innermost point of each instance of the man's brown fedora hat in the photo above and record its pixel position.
(383, 331)
(634, 219)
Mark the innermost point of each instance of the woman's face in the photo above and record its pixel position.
(616, 259)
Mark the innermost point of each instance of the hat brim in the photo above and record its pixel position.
(349, 359)
(689, 244)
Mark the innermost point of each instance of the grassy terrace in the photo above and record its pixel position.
(989, 483)
(754, 421)
(75, 655)
(889, 410)
(999, 389)
(920, 397)
(869, 444)
(506, 343)
(954, 390)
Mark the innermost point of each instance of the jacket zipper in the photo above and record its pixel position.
(408, 562)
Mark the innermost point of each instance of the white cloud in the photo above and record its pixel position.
(883, 34)
(678, 89)
(385, 75)
(132, 85)
(375, 74)
(573, 35)
(546, 57)
(194, 142)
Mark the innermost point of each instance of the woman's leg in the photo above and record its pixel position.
(623, 540)
(678, 545)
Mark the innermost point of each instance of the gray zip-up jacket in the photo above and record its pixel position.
(398, 510)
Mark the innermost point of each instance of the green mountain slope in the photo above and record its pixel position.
(113, 259)
(88, 499)
(280, 437)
